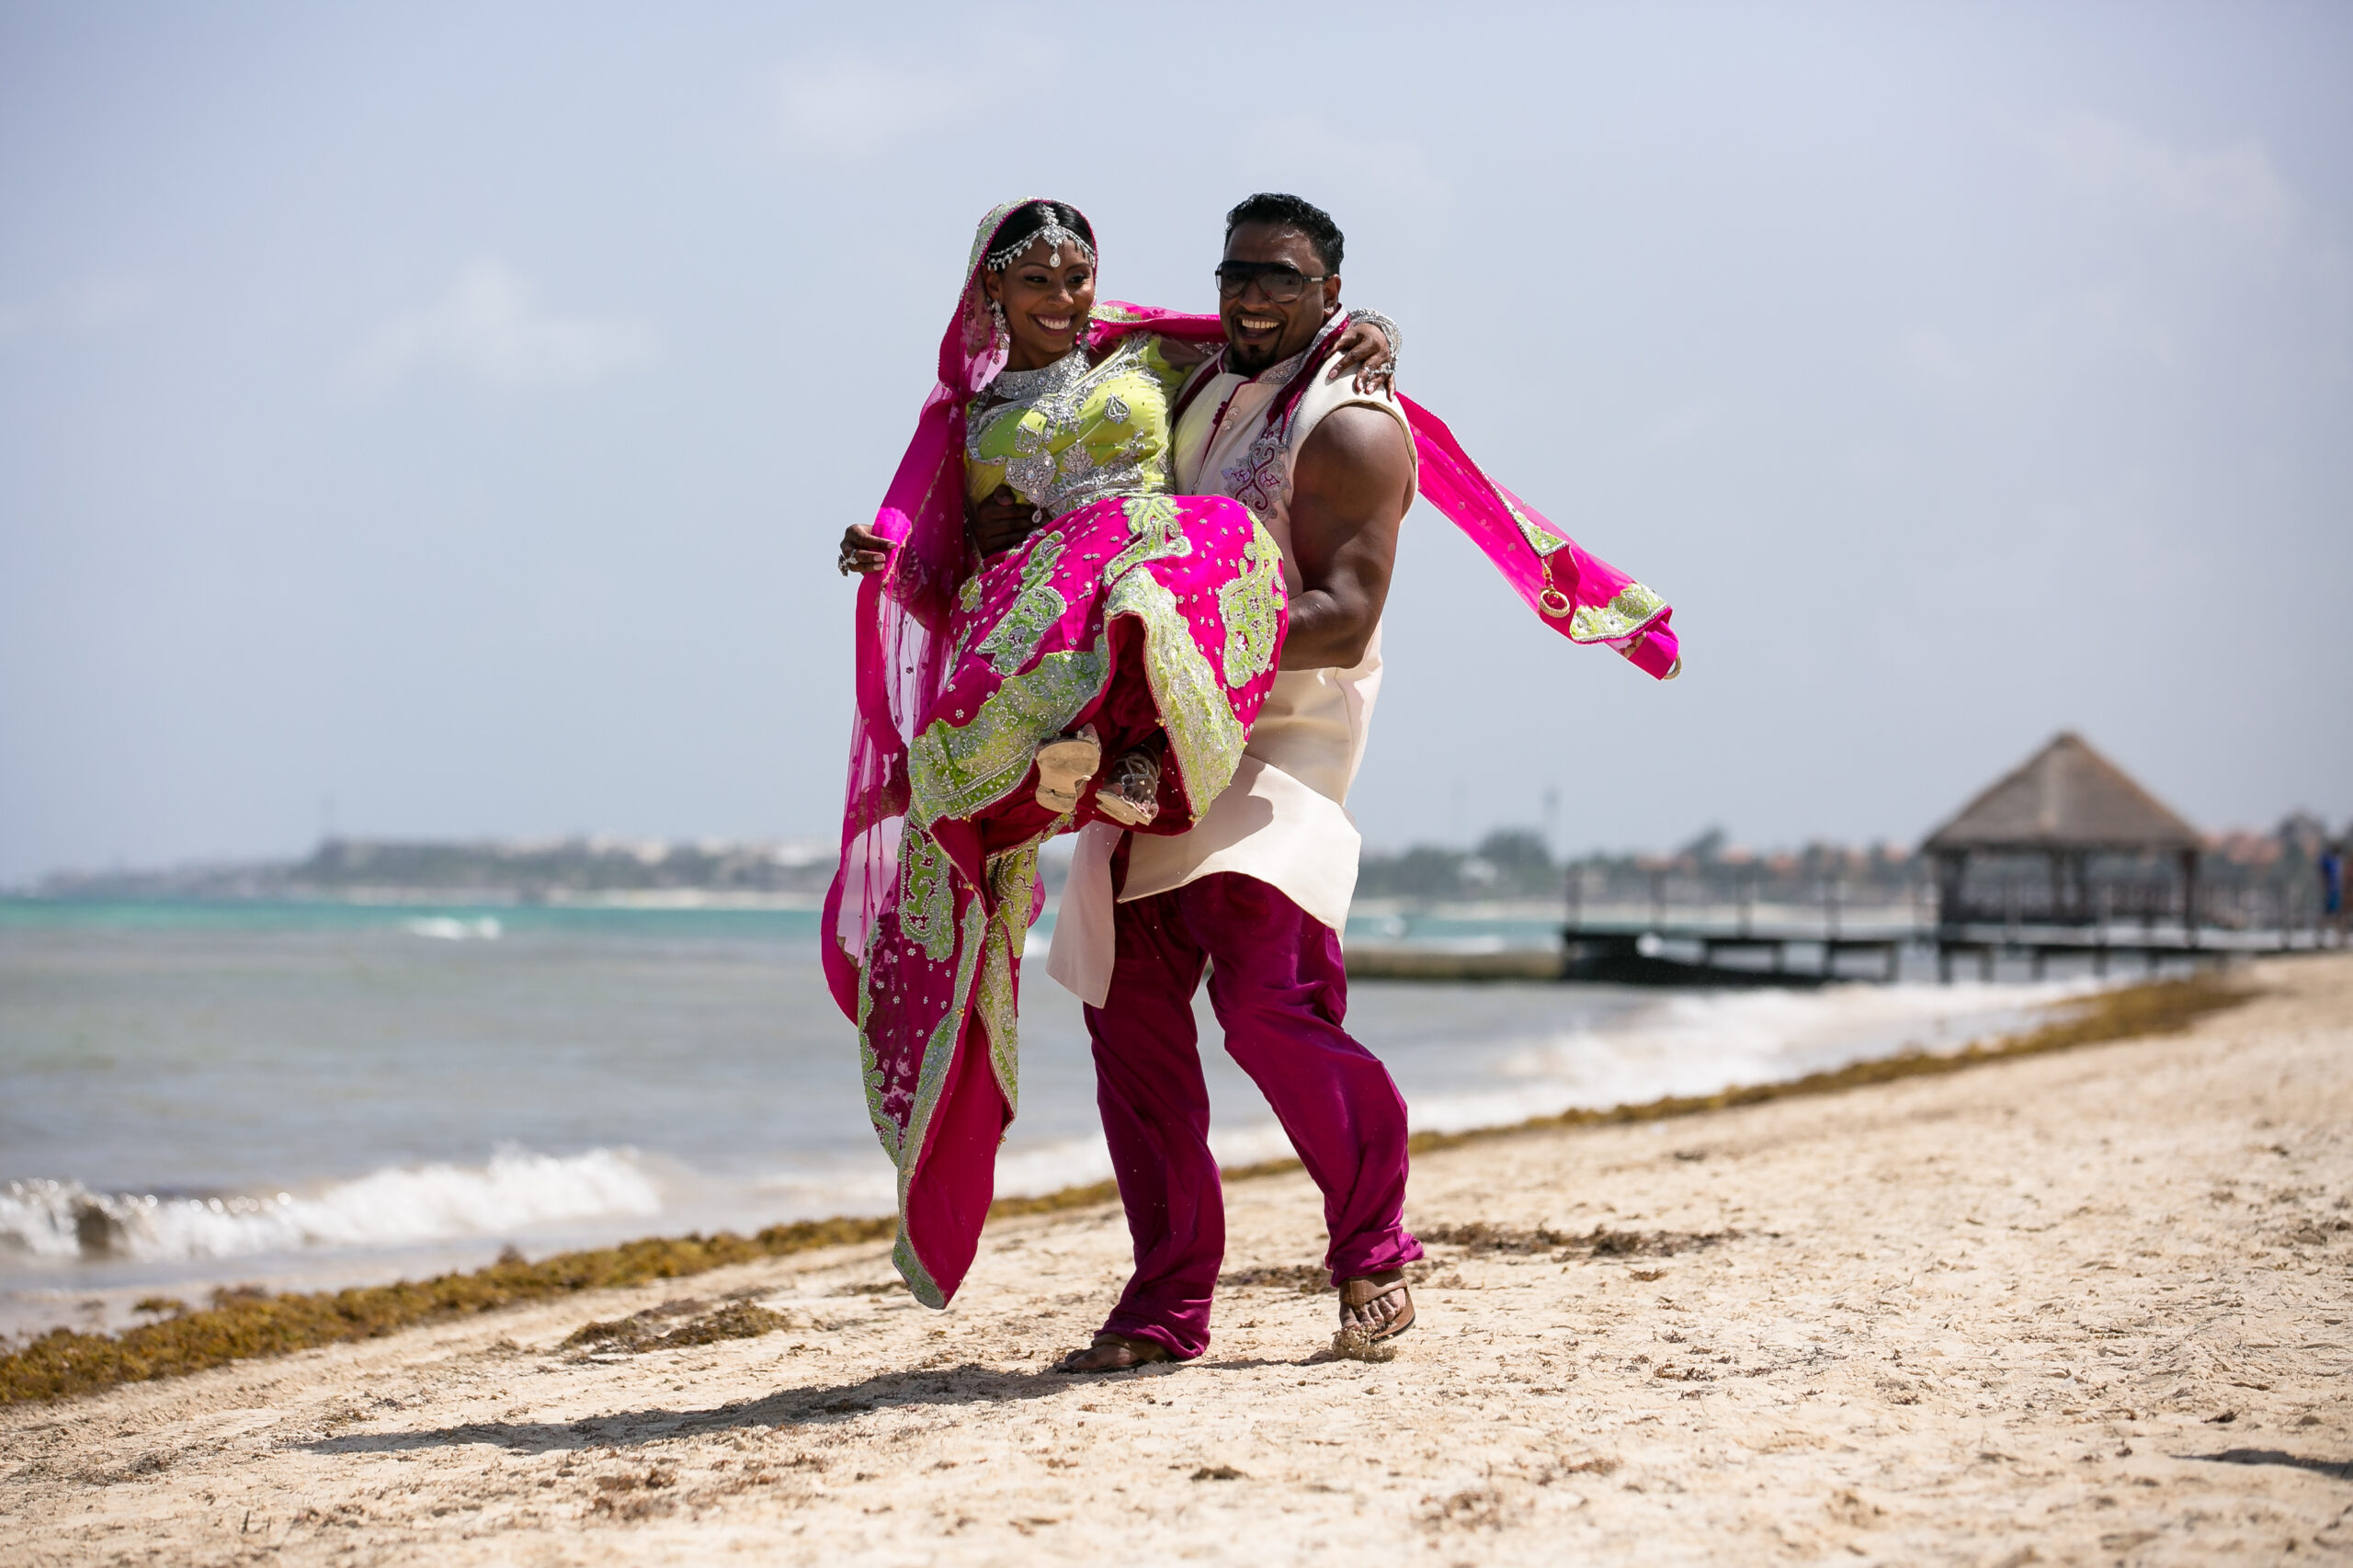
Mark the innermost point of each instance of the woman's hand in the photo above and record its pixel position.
(1183, 354)
(863, 551)
(1366, 349)
(1000, 521)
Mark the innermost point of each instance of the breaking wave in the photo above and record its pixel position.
(1676, 1044)
(450, 928)
(1699, 1043)
(517, 1190)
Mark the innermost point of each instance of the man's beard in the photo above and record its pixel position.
(1252, 361)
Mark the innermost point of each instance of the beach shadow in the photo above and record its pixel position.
(2335, 1470)
(1242, 1363)
(826, 1405)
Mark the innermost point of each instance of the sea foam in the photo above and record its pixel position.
(396, 1206)
(450, 928)
(1702, 1042)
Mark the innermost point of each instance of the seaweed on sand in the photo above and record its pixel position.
(2131, 1012)
(246, 1322)
(642, 1331)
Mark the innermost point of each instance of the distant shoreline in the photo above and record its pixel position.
(434, 898)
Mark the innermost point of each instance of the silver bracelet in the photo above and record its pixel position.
(1396, 338)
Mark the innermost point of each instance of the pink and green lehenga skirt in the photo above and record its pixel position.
(1136, 614)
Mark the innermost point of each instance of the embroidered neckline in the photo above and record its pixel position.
(1022, 386)
(1284, 370)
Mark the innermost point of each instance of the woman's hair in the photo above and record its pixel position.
(1030, 221)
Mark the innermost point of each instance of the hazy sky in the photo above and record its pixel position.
(450, 410)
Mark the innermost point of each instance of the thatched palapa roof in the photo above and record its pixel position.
(2065, 797)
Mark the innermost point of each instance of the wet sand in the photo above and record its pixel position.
(2090, 1307)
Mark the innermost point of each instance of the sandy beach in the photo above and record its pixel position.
(2090, 1307)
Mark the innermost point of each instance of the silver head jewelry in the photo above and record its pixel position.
(1053, 234)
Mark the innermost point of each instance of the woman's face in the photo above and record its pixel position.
(1044, 294)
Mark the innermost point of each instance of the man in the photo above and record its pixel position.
(1257, 891)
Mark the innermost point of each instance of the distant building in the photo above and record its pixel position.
(2068, 838)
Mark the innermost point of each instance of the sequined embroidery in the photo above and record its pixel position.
(1541, 540)
(926, 898)
(1205, 739)
(1011, 877)
(1251, 606)
(1154, 533)
(1621, 616)
(1261, 479)
(885, 1126)
(954, 770)
(939, 1051)
(1068, 435)
(1035, 609)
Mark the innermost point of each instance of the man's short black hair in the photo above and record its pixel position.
(1291, 212)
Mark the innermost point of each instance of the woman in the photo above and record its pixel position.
(1134, 625)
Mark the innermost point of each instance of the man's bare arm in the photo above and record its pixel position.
(1350, 490)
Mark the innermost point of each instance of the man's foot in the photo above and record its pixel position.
(1376, 1306)
(1130, 794)
(1114, 1353)
(1064, 765)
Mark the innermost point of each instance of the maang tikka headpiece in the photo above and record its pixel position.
(1054, 235)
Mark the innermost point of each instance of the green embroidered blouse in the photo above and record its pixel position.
(1070, 434)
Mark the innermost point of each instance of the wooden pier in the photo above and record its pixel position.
(2063, 862)
(1803, 955)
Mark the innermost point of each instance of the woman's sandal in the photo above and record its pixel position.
(1130, 794)
(1115, 1353)
(1361, 1292)
(1066, 763)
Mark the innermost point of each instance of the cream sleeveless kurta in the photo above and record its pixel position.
(1284, 818)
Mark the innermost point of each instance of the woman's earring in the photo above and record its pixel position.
(1003, 333)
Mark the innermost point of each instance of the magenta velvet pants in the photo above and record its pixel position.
(1281, 993)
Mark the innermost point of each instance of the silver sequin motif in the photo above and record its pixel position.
(1062, 481)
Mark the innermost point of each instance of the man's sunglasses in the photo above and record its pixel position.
(1279, 280)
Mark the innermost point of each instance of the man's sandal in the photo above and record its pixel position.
(1362, 1292)
(1115, 1353)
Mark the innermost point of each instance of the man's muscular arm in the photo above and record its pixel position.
(1350, 490)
